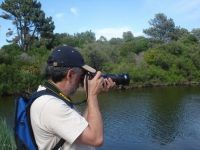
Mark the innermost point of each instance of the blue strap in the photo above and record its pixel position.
(35, 95)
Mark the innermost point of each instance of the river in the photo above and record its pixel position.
(165, 118)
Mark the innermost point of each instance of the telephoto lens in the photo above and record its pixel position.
(119, 79)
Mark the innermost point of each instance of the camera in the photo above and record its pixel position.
(119, 79)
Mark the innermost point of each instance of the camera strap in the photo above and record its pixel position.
(57, 92)
(86, 85)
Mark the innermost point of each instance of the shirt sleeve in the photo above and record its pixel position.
(62, 120)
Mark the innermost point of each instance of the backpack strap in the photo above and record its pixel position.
(34, 96)
(59, 144)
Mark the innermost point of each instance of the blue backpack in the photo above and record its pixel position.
(24, 136)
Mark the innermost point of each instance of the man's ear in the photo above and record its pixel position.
(70, 74)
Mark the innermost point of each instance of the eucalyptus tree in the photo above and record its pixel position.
(29, 21)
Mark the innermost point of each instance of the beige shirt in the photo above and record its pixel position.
(51, 119)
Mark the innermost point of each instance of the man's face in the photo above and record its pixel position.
(77, 79)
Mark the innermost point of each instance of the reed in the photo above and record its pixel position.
(6, 136)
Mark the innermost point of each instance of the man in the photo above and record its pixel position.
(53, 118)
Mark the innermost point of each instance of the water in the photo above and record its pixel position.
(145, 119)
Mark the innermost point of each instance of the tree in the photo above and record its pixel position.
(179, 33)
(196, 33)
(84, 37)
(94, 55)
(115, 41)
(128, 36)
(161, 28)
(64, 38)
(29, 20)
(102, 39)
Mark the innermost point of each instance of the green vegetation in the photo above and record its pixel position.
(168, 56)
(20, 71)
(6, 137)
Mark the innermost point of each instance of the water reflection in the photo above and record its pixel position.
(165, 117)
(190, 119)
(158, 118)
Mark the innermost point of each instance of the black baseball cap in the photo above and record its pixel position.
(67, 56)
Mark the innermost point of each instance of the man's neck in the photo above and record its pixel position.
(61, 86)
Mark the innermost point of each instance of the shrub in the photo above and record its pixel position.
(159, 58)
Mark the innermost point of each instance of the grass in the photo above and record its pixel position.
(6, 136)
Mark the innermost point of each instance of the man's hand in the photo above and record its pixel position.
(98, 84)
(108, 84)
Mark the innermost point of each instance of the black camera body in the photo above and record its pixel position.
(119, 79)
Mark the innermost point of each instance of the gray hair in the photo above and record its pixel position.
(57, 74)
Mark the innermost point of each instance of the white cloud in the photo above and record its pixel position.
(59, 15)
(74, 11)
(116, 32)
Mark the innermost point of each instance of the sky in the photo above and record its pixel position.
(110, 18)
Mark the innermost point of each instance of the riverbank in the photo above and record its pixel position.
(151, 85)
(136, 85)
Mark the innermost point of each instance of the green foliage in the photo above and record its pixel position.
(141, 44)
(159, 58)
(147, 74)
(6, 136)
(84, 37)
(126, 48)
(186, 68)
(174, 76)
(95, 55)
(20, 71)
(9, 53)
(128, 36)
(178, 58)
(189, 40)
(196, 33)
(115, 41)
(135, 45)
(102, 39)
(64, 38)
(76, 40)
(174, 47)
(194, 55)
(179, 33)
